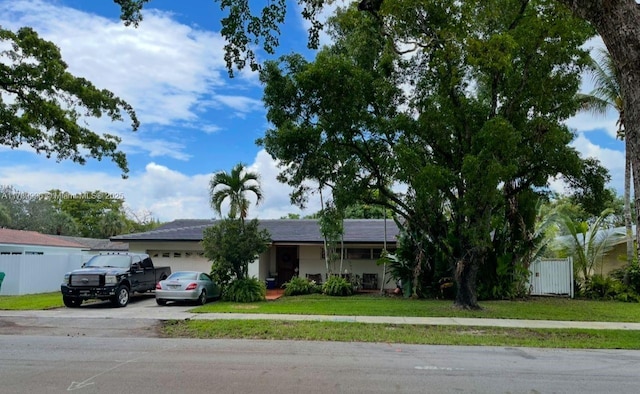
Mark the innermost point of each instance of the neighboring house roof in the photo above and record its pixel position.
(96, 244)
(613, 235)
(623, 230)
(22, 237)
(281, 230)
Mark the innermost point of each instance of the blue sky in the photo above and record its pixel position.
(195, 119)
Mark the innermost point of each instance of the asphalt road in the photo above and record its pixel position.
(100, 349)
(56, 364)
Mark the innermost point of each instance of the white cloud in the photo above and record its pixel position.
(611, 159)
(162, 68)
(586, 122)
(166, 193)
(169, 194)
(241, 104)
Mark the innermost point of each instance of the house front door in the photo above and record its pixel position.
(287, 263)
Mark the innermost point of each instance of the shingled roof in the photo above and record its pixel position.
(22, 237)
(96, 244)
(281, 230)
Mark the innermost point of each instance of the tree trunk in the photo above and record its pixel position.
(627, 202)
(465, 276)
(324, 238)
(618, 23)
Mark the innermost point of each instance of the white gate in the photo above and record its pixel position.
(551, 277)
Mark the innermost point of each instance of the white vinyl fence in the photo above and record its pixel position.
(30, 274)
(551, 277)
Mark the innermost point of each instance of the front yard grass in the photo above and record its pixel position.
(536, 308)
(31, 301)
(361, 305)
(545, 308)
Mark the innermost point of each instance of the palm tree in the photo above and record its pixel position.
(112, 223)
(607, 94)
(234, 186)
(588, 243)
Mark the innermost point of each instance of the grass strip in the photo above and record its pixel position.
(406, 334)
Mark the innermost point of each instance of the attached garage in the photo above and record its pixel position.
(179, 251)
(180, 260)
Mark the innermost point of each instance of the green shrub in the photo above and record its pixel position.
(629, 275)
(599, 287)
(337, 286)
(299, 286)
(628, 296)
(245, 290)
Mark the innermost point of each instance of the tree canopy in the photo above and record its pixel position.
(45, 107)
(92, 214)
(492, 83)
(616, 21)
(470, 122)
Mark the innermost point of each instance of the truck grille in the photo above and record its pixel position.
(85, 280)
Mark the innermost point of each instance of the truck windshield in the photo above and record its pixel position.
(109, 261)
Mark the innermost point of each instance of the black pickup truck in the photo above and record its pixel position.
(111, 276)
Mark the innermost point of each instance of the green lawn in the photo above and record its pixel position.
(535, 308)
(31, 301)
(370, 305)
(413, 334)
(374, 305)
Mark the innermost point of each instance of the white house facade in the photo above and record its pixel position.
(296, 248)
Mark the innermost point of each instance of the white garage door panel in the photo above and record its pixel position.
(184, 264)
(180, 262)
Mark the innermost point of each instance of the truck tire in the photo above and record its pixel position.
(71, 302)
(121, 299)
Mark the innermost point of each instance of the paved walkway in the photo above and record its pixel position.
(433, 321)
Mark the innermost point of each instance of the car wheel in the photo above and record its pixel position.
(71, 302)
(203, 298)
(121, 299)
(161, 302)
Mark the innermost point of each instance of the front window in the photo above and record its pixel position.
(359, 253)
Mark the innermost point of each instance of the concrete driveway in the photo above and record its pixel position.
(141, 318)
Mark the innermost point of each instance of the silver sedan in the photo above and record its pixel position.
(187, 286)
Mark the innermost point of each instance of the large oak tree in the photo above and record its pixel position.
(617, 21)
(470, 120)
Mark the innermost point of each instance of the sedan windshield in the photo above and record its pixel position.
(105, 261)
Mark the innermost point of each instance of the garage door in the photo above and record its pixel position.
(180, 260)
